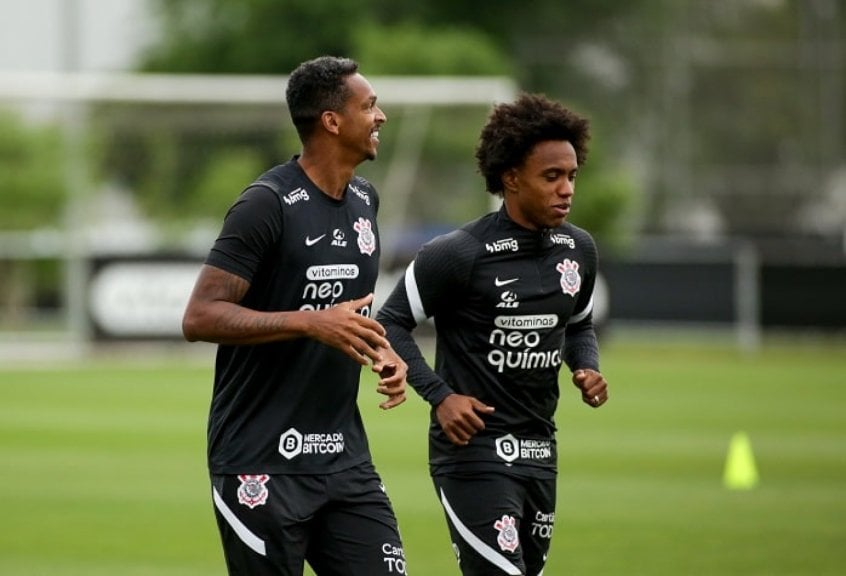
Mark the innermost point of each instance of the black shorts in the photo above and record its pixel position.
(340, 523)
(498, 524)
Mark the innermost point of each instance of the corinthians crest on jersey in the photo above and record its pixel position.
(570, 279)
(366, 237)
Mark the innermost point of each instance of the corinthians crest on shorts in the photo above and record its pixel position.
(570, 279)
(366, 238)
(508, 538)
(253, 491)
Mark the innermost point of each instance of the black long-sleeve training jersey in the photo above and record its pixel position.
(291, 407)
(510, 305)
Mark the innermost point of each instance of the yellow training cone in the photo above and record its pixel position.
(740, 472)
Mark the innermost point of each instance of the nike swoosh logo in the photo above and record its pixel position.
(499, 282)
(313, 241)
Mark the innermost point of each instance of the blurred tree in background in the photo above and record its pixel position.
(713, 120)
(32, 189)
(729, 111)
(32, 195)
(387, 38)
(720, 117)
(273, 37)
(250, 36)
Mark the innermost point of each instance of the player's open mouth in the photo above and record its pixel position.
(375, 136)
(562, 209)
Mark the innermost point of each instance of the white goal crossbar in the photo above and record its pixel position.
(239, 89)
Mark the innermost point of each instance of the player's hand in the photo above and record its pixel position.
(459, 417)
(392, 371)
(593, 386)
(357, 336)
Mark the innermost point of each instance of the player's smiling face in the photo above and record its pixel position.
(539, 192)
(362, 117)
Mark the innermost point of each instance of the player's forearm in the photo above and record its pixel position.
(581, 349)
(232, 324)
(422, 378)
(213, 313)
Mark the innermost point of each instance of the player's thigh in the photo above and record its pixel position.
(264, 522)
(356, 534)
(484, 514)
(538, 522)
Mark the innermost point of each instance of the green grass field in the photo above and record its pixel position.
(102, 467)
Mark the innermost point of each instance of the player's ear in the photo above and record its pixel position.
(330, 121)
(509, 180)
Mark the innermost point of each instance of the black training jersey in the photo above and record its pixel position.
(510, 305)
(290, 407)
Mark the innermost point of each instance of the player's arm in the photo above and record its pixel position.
(436, 275)
(213, 314)
(458, 415)
(581, 354)
(399, 319)
(581, 350)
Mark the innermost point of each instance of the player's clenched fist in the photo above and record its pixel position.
(593, 386)
(459, 417)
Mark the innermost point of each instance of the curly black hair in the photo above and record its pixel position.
(316, 86)
(513, 130)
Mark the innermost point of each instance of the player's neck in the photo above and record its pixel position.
(329, 174)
